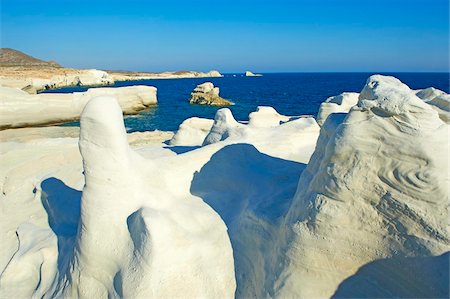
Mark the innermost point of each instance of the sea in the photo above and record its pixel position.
(290, 94)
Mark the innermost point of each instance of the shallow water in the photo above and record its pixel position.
(288, 93)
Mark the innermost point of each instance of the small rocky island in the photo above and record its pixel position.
(250, 74)
(207, 94)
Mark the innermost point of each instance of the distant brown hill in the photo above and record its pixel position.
(11, 57)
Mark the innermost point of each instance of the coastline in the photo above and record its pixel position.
(36, 79)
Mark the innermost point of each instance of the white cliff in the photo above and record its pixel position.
(34, 80)
(439, 101)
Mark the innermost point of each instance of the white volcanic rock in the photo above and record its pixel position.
(376, 187)
(37, 80)
(428, 93)
(143, 236)
(20, 109)
(293, 140)
(266, 117)
(127, 76)
(368, 217)
(439, 101)
(84, 78)
(224, 124)
(192, 132)
(156, 207)
(250, 74)
(337, 104)
(207, 94)
(160, 252)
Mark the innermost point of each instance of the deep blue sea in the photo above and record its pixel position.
(289, 93)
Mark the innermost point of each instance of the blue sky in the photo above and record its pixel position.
(232, 36)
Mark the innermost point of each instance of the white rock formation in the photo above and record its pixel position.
(377, 187)
(263, 132)
(366, 217)
(20, 109)
(250, 74)
(192, 132)
(213, 73)
(159, 233)
(266, 117)
(146, 236)
(127, 76)
(439, 101)
(39, 82)
(337, 104)
(207, 94)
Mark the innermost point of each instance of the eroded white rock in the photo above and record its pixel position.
(376, 188)
(337, 104)
(192, 132)
(20, 109)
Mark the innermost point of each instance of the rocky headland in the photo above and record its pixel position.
(19, 70)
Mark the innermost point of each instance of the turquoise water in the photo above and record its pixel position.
(288, 93)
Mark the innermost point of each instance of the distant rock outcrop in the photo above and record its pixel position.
(11, 57)
(207, 94)
(250, 74)
(19, 70)
(131, 76)
(214, 73)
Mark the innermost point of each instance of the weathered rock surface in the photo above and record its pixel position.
(207, 94)
(365, 216)
(375, 193)
(337, 104)
(439, 101)
(192, 132)
(20, 109)
(35, 79)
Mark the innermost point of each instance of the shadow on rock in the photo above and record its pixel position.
(252, 192)
(181, 149)
(399, 277)
(62, 204)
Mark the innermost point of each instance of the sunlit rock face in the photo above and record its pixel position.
(375, 188)
(337, 104)
(20, 109)
(276, 207)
